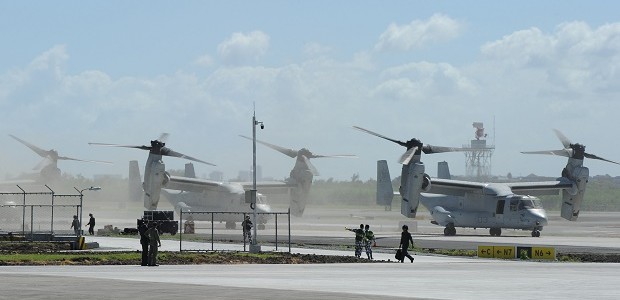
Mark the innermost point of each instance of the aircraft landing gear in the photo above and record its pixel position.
(495, 231)
(535, 233)
(449, 230)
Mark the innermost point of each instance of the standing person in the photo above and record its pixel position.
(144, 241)
(75, 224)
(405, 238)
(246, 225)
(91, 224)
(359, 239)
(154, 243)
(369, 239)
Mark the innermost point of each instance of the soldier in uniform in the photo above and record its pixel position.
(154, 243)
(144, 241)
(369, 239)
(91, 224)
(75, 224)
(359, 239)
(246, 225)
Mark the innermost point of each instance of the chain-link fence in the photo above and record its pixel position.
(42, 213)
(205, 226)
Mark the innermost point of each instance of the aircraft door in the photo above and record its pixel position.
(499, 211)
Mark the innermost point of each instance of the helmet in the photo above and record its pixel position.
(405, 227)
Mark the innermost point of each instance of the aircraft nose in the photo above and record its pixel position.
(540, 217)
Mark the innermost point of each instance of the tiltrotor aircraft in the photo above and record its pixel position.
(188, 193)
(455, 203)
(48, 167)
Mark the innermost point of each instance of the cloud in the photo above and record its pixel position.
(243, 48)
(417, 34)
(204, 61)
(315, 49)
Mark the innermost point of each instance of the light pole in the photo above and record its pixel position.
(254, 246)
(92, 188)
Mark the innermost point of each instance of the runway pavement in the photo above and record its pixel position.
(429, 277)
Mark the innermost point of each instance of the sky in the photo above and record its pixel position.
(123, 72)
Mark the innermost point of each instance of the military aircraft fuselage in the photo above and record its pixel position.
(495, 208)
(220, 198)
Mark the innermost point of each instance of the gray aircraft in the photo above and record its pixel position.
(188, 193)
(456, 203)
(48, 167)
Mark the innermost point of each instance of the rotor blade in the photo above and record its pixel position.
(169, 152)
(124, 146)
(338, 156)
(288, 152)
(563, 152)
(381, 136)
(92, 161)
(429, 149)
(45, 161)
(311, 167)
(407, 156)
(163, 137)
(37, 150)
(592, 156)
(565, 141)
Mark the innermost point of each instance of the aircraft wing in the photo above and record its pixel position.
(460, 188)
(455, 187)
(269, 187)
(195, 184)
(541, 188)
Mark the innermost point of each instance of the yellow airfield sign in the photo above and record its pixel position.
(543, 253)
(511, 252)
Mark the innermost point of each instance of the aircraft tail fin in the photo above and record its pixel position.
(134, 181)
(385, 192)
(443, 171)
(189, 170)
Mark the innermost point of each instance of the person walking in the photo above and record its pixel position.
(91, 224)
(75, 224)
(359, 239)
(405, 238)
(144, 241)
(154, 243)
(246, 225)
(369, 239)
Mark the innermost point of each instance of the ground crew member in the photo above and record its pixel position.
(144, 241)
(369, 239)
(154, 243)
(91, 225)
(76, 225)
(246, 225)
(359, 239)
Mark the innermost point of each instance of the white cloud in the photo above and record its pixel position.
(243, 48)
(417, 34)
(315, 49)
(204, 61)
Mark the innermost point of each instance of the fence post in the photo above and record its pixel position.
(276, 231)
(289, 230)
(212, 233)
(52, 225)
(181, 231)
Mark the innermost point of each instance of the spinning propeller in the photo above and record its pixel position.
(51, 155)
(157, 147)
(576, 150)
(414, 146)
(303, 153)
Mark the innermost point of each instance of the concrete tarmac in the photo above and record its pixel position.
(429, 277)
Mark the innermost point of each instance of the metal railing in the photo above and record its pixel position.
(203, 226)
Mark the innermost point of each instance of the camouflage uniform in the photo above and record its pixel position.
(359, 240)
(247, 229)
(369, 239)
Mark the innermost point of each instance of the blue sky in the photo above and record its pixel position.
(74, 72)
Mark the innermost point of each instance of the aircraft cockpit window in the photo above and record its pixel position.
(529, 203)
(513, 204)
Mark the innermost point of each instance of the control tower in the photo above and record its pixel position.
(478, 156)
